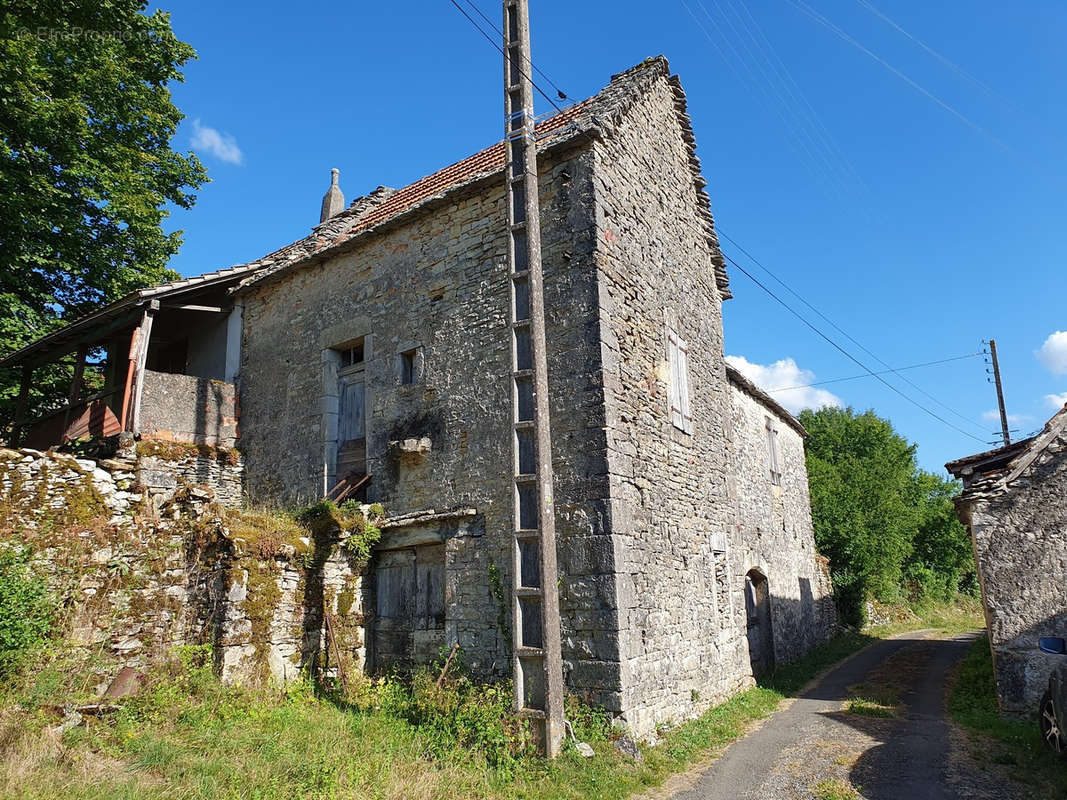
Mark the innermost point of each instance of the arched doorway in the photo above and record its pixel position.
(758, 614)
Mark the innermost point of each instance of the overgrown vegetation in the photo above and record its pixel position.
(179, 451)
(26, 609)
(356, 525)
(888, 527)
(429, 737)
(1014, 745)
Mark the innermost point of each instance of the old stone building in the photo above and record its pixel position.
(376, 351)
(1014, 501)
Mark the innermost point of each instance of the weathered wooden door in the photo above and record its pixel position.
(409, 617)
(758, 614)
(352, 427)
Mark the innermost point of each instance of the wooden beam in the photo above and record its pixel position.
(76, 384)
(21, 403)
(142, 357)
(191, 307)
(130, 368)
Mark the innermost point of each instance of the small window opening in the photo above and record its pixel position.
(352, 355)
(409, 366)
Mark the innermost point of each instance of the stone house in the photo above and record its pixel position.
(374, 356)
(1014, 502)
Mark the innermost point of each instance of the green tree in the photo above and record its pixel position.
(887, 527)
(942, 560)
(86, 166)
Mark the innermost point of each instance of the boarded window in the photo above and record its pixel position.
(773, 461)
(678, 354)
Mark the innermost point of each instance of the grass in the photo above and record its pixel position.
(188, 736)
(1014, 744)
(870, 708)
(834, 790)
(961, 615)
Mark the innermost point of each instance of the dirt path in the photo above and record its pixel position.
(817, 748)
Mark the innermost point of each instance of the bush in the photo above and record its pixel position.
(26, 608)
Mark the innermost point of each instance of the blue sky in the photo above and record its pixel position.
(918, 201)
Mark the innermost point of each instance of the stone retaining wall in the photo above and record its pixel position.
(140, 573)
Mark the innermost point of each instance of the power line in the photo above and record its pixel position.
(880, 372)
(803, 7)
(745, 272)
(562, 94)
(845, 352)
(501, 51)
(843, 332)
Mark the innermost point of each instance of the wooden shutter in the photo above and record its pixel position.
(678, 356)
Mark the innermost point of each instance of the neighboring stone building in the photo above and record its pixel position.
(377, 348)
(1014, 501)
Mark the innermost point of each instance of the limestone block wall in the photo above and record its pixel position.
(152, 572)
(163, 467)
(35, 485)
(186, 408)
(680, 646)
(775, 529)
(1020, 543)
(435, 280)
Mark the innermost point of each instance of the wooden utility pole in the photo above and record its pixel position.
(537, 664)
(1000, 394)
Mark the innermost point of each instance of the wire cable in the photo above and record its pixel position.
(880, 372)
(501, 51)
(562, 94)
(847, 354)
(843, 332)
(868, 370)
(803, 7)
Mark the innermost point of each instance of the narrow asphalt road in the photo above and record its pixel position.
(814, 740)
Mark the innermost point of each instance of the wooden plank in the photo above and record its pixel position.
(21, 403)
(130, 369)
(142, 357)
(193, 307)
(76, 384)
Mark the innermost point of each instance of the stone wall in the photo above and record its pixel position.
(184, 408)
(651, 557)
(139, 578)
(1019, 531)
(679, 649)
(163, 467)
(437, 280)
(774, 523)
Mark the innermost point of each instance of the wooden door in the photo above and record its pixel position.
(409, 616)
(352, 428)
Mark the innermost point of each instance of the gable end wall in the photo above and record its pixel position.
(1020, 543)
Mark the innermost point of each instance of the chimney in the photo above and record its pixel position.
(333, 202)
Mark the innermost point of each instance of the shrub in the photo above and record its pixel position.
(26, 608)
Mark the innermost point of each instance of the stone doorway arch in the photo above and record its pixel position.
(758, 617)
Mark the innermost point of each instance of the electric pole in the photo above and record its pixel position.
(1000, 393)
(537, 665)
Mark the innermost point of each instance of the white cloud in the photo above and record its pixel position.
(221, 145)
(785, 375)
(1056, 400)
(1013, 419)
(1053, 353)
